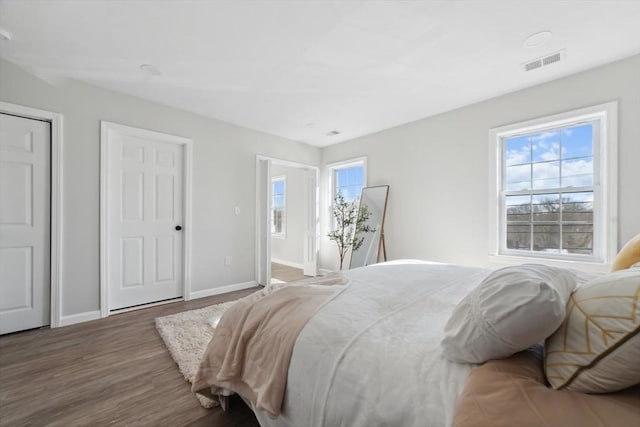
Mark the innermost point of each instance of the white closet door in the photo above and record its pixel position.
(264, 222)
(24, 223)
(146, 211)
(312, 228)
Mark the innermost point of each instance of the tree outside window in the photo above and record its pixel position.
(278, 206)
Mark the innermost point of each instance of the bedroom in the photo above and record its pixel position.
(426, 175)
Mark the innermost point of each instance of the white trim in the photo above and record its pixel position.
(72, 319)
(104, 187)
(609, 173)
(187, 213)
(187, 145)
(149, 305)
(56, 255)
(348, 163)
(605, 191)
(223, 289)
(288, 263)
(506, 260)
(282, 162)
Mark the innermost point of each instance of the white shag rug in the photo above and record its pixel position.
(187, 335)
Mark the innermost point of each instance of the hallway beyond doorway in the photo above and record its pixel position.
(282, 273)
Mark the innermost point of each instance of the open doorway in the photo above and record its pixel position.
(287, 220)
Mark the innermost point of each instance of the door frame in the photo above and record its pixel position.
(187, 172)
(259, 206)
(56, 164)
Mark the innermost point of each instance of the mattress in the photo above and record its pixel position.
(371, 356)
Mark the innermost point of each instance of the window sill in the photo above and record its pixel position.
(507, 260)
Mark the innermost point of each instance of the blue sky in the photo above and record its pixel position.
(550, 159)
(350, 181)
(278, 194)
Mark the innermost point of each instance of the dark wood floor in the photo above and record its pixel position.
(113, 371)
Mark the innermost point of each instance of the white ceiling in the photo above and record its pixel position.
(300, 69)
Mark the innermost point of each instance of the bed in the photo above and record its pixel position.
(367, 353)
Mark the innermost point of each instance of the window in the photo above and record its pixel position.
(278, 206)
(555, 181)
(347, 178)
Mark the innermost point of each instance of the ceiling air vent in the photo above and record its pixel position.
(552, 58)
(532, 65)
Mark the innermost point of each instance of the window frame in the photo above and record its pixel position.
(283, 233)
(605, 177)
(332, 168)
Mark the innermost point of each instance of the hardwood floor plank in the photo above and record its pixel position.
(113, 371)
(284, 273)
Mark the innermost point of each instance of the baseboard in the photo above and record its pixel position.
(222, 289)
(324, 271)
(87, 316)
(287, 263)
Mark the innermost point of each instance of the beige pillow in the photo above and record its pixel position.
(597, 348)
(629, 255)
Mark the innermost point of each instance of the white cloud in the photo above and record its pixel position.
(578, 173)
(516, 157)
(544, 156)
(544, 150)
(543, 137)
(518, 177)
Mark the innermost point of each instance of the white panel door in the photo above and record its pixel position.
(264, 222)
(145, 209)
(311, 233)
(24, 223)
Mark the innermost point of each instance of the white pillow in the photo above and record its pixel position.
(511, 310)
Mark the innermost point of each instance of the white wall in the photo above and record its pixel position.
(437, 168)
(223, 177)
(290, 248)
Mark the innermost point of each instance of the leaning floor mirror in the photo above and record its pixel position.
(368, 241)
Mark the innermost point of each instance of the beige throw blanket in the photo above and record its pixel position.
(252, 345)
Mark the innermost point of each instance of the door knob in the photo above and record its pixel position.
(178, 228)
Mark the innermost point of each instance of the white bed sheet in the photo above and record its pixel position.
(372, 357)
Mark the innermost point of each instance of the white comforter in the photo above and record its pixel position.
(371, 357)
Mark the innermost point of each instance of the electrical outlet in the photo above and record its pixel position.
(236, 210)
(227, 260)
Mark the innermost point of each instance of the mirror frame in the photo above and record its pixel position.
(381, 243)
